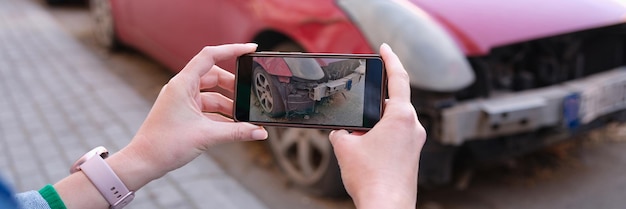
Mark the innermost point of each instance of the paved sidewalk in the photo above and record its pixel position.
(57, 101)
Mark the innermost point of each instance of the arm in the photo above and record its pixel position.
(379, 168)
(181, 125)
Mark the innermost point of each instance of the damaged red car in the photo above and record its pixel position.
(490, 79)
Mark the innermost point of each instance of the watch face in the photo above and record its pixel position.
(98, 151)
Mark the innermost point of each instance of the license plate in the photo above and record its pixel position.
(571, 111)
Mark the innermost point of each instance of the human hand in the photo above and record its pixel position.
(181, 125)
(379, 168)
(184, 122)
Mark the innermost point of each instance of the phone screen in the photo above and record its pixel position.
(310, 90)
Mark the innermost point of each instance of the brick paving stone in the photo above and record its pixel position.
(58, 101)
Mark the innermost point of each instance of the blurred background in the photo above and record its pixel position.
(510, 117)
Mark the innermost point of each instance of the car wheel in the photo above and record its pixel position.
(305, 155)
(104, 29)
(307, 158)
(267, 93)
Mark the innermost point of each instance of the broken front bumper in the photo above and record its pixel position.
(565, 105)
(335, 86)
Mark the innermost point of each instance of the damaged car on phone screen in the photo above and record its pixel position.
(288, 85)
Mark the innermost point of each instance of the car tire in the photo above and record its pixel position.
(267, 94)
(307, 158)
(104, 28)
(306, 155)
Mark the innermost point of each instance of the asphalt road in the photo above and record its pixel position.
(583, 173)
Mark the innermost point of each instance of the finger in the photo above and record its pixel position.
(218, 77)
(232, 132)
(217, 117)
(357, 133)
(216, 103)
(337, 135)
(398, 79)
(205, 59)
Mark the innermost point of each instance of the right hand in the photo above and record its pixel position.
(379, 168)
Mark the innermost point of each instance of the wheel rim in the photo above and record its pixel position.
(263, 92)
(304, 154)
(101, 10)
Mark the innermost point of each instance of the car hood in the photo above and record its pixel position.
(479, 25)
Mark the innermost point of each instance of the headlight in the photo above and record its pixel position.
(431, 57)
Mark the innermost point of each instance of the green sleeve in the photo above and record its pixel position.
(52, 197)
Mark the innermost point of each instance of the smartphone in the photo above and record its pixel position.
(310, 90)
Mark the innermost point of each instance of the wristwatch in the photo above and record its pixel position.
(102, 176)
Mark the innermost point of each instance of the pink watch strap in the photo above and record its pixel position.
(107, 182)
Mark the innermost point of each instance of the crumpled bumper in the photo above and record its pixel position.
(567, 105)
(335, 86)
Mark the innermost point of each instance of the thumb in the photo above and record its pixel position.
(241, 132)
(337, 135)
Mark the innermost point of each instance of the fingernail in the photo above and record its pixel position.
(385, 45)
(259, 134)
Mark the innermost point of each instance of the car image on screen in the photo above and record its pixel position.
(293, 86)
